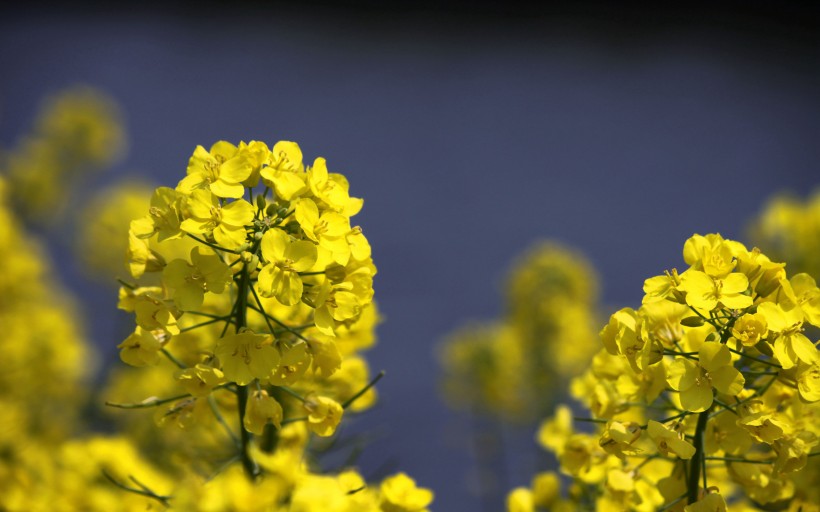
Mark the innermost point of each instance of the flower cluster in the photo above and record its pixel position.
(45, 463)
(77, 131)
(788, 229)
(706, 394)
(256, 293)
(43, 346)
(503, 367)
(251, 316)
(100, 241)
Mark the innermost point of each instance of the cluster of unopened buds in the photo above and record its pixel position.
(706, 394)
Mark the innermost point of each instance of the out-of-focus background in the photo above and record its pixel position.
(471, 131)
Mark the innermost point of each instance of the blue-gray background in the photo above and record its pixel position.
(470, 134)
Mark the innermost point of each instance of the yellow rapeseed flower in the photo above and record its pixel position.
(705, 292)
(246, 356)
(226, 223)
(220, 170)
(324, 414)
(285, 258)
(696, 380)
(399, 493)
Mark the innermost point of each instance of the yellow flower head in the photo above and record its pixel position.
(808, 381)
(790, 344)
(619, 438)
(711, 254)
(696, 380)
(261, 409)
(190, 281)
(399, 493)
(220, 170)
(284, 171)
(669, 441)
(285, 258)
(750, 329)
(712, 502)
(332, 189)
(705, 292)
(324, 414)
(140, 348)
(247, 356)
(200, 380)
(226, 224)
(164, 216)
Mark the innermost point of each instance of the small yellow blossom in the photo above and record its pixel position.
(802, 292)
(712, 502)
(326, 356)
(140, 348)
(260, 410)
(200, 380)
(766, 426)
(190, 281)
(399, 493)
(293, 364)
(696, 380)
(141, 258)
(332, 189)
(723, 433)
(711, 254)
(226, 224)
(324, 414)
(790, 344)
(705, 292)
(247, 356)
(359, 246)
(334, 303)
(520, 499)
(163, 217)
(546, 489)
(328, 229)
(750, 329)
(669, 441)
(284, 171)
(220, 170)
(619, 438)
(154, 313)
(659, 288)
(285, 258)
(808, 381)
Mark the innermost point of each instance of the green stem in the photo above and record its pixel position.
(173, 359)
(692, 484)
(221, 420)
(589, 420)
(207, 315)
(292, 393)
(251, 469)
(355, 397)
(160, 401)
(739, 459)
(668, 419)
(275, 320)
(127, 284)
(212, 246)
(768, 363)
(144, 490)
(240, 314)
(317, 273)
(672, 503)
(203, 324)
(293, 420)
(151, 403)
